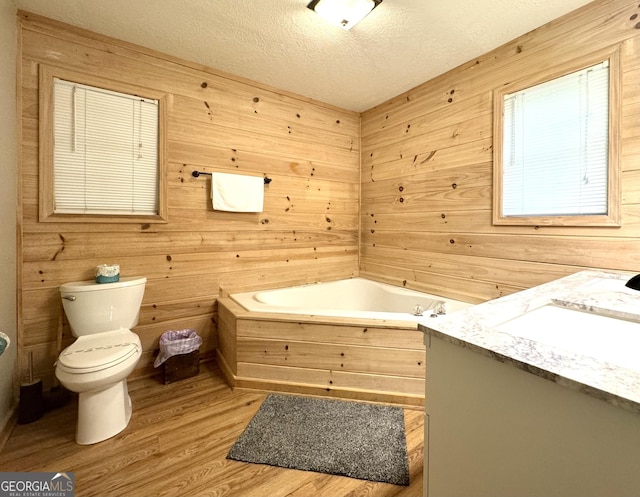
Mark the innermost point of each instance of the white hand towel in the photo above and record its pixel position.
(237, 193)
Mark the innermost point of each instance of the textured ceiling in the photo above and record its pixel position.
(401, 44)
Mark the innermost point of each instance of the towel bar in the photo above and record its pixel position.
(195, 174)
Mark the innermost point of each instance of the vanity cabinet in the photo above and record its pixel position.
(492, 429)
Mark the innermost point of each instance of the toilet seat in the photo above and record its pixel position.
(91, 353)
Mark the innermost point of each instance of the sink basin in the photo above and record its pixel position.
(613, 340)
(610, 285)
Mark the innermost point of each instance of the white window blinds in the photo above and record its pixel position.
(105, 151)
(555, 146)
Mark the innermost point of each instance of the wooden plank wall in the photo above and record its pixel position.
(425, 192)
(216, 122)
(427, 172)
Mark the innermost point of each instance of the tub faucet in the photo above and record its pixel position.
(440, 308)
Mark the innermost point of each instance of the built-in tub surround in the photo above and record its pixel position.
(319, 339)
(587, 336)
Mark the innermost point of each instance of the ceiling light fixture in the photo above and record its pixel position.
(343, 13)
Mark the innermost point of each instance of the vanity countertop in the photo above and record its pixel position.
(598, 293)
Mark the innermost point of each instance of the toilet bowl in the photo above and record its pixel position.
(97, 364)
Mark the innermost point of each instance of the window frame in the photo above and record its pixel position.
(46, 196)
(614, 197)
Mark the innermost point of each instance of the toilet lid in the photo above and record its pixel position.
(100, 351)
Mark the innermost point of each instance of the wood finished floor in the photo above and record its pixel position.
(176, 444)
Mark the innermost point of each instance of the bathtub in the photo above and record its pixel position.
(355, 339)
(350, 298)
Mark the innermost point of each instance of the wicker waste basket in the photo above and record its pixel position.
(179, 354)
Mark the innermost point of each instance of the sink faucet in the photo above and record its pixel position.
(634, 283)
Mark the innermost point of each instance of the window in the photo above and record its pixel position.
(555, 150)
(101, 150)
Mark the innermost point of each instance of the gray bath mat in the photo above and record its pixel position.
(364, 441)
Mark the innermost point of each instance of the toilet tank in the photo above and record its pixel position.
(93, 307)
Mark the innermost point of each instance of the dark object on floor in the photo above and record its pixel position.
(31, 404)
(355, 439)
(181, 366)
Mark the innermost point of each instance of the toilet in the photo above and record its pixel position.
(97, 364)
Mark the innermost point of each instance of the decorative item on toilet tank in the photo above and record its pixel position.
(107, 273)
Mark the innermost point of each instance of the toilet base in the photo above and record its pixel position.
(103, 414)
